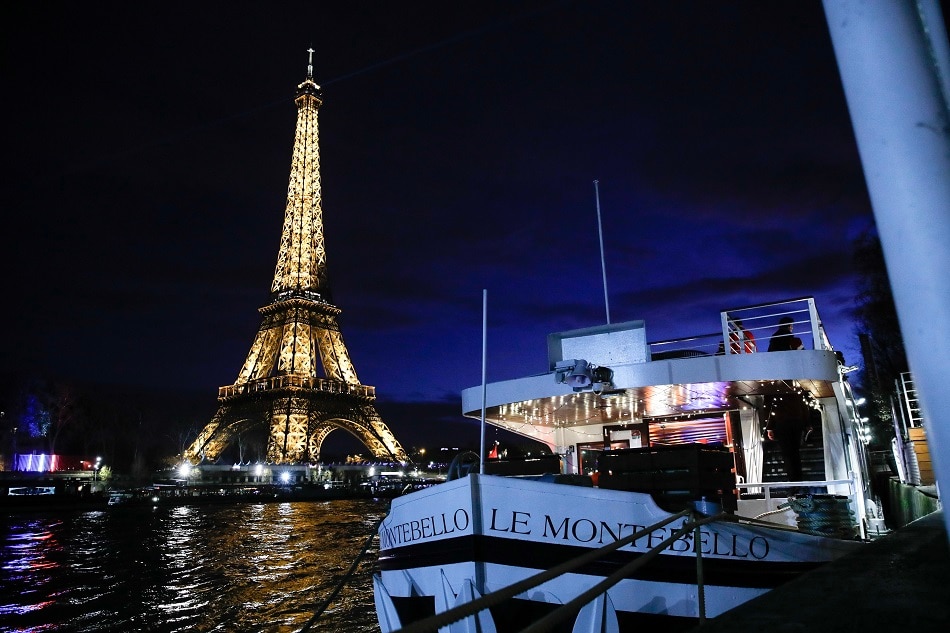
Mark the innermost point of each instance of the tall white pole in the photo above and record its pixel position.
(894, 65)
(481, 450)
(603, 262)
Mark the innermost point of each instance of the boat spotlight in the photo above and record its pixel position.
(579, 374)
(574, 373)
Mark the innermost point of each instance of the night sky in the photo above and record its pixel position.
(147, 155)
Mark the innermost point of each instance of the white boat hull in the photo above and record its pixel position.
(494, 531)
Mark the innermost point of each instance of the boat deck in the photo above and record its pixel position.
(899, 583)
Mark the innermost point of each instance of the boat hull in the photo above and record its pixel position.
(495, 531)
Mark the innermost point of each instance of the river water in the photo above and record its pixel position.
(233, 568)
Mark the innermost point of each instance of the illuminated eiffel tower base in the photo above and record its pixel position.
(298, 382)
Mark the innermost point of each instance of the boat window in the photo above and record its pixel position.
(589, 452)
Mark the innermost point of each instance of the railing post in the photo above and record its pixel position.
(816, 341)
(724, 323)
(700, 579)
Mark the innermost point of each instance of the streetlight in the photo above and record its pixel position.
(95, 471)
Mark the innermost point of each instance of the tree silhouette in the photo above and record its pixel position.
(879, 331)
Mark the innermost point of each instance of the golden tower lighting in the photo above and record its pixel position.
(298, 380)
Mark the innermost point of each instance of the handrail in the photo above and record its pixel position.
(762, 319)
(439, 620)
(768, 485)
(566, 610)
(758, 324)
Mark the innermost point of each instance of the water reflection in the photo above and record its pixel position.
(246, 567)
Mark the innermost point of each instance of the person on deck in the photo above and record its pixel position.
(783, 339)
(748, 339)
(741, 340)
(788, 420)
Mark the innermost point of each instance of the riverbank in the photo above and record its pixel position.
(900, 582)
(162, 495)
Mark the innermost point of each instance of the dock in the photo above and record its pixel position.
(899, 583)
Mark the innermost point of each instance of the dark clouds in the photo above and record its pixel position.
(149, 150)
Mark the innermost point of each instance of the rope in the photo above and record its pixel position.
(345, 579)
(824, 515)
(781, 508)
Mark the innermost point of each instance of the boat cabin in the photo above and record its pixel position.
(685, 419)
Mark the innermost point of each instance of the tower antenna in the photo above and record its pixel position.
(310, 63)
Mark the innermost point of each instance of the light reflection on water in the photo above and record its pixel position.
(228, 568)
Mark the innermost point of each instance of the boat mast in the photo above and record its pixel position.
(481, 450)
(603, 264)
(894, 61)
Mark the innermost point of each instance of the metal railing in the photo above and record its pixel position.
(697, 345)
(570, 609)
(762, 320)
(909, 400)
(748, 329)
(293, 381)
(769, 485)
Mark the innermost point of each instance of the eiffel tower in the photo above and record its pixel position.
(298, 381)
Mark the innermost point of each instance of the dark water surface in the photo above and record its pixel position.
(231, 568)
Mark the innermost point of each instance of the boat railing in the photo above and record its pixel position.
(763, 487)
(748, 329)
(694, 520)
(762, 320)
(687, 347)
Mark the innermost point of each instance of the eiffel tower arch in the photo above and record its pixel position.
(298, 382)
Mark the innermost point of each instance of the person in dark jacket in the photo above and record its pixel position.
(783, 339)
(788, 420)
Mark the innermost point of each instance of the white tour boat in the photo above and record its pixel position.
(662, 502)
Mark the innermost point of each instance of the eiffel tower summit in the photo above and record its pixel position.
(298, 382)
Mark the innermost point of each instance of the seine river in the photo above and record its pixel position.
(230, 568)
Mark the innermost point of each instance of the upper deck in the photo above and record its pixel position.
(703, 373)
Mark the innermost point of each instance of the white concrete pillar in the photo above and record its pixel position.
(894, 65)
